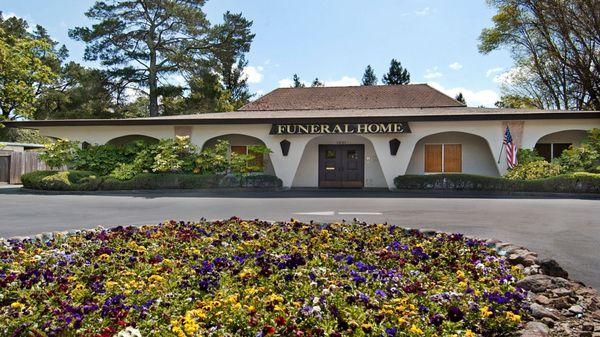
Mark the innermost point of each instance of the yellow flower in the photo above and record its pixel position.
(104, 257)
(155, 278)
(485, 312)
(17, 305)
(513, 317)
(469, 333)
(460, 274)
(414, 329)
(279, 307)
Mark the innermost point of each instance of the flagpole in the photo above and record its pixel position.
(500, 155)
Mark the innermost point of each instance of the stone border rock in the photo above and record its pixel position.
(558, 306)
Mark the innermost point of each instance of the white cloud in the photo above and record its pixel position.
(7, 15)
(456, 66)
(423, 12)
(253, 74)
(345, 81)
(485, 98)
(513, 75)
(493, 71)
(431, 74)
(259, 92)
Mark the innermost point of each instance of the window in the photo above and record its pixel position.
(551, 150)
(244, 149)
(443, 158)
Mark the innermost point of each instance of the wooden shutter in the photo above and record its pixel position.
(433, 158)
(239, 149)
(452, 158)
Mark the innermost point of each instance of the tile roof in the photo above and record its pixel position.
(358, 97)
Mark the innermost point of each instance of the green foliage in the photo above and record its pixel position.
(317, 83)
(397, 75)
(124, 171)
(525, 156)
(60, 153)
(534, 170)
(28, 136)
(583, 158)
(512, 101)
(213, 159)
(369, 77)
(142, 41)
(296, 83)
(22, 70)
(103, 159)
(174, 155)
(579, 182)
(461, 98)
(61, 181)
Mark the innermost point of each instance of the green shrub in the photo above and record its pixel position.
(213, 159)
(103, 159)
(534, 170)
(580, 182)
(60, 153)
(583, 158)
(175, 155)
(61, 181)
(124, 172)
(525, 156)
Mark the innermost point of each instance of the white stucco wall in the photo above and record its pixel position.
(571, 136)
(476, 154)
(298, 169)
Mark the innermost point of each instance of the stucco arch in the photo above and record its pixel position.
(128, 139)
(477, 155)
(574, 136)
(307, 173)
(238, 139)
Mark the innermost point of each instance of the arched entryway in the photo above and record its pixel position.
(452, 152)
(553, 144)
(242, 144)
(128, 139)
(325, 156)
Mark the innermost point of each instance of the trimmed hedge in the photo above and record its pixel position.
(88, 181)
(580, 182)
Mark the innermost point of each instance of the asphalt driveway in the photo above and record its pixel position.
(567, 230)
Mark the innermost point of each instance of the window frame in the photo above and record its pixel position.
(443, 158)
(552, 157)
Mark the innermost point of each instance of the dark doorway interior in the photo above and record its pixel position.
(341, 166)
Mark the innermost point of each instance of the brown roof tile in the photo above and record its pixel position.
(359, 97)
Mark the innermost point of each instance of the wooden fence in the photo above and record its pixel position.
(17, 163)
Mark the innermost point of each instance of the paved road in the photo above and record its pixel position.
(567, 230)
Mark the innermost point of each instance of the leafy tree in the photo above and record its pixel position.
(148, 40)
(516, 102)
(317, 83)
(554, 45)
(296, 82)
(369, 77)
(24, 68)
(60, 153)
(461, 98)
(397, 75)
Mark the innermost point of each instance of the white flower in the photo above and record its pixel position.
(129, 332)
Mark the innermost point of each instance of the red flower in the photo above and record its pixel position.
(268, 330)
(280, 321)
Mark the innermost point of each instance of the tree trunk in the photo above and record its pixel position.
(153, 84)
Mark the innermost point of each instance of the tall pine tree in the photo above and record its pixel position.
(317, 83)
(296, 82)
(461, 98)
(397, 75)
(147, 40)
(369, 77)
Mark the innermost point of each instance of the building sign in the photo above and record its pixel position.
(339, 128)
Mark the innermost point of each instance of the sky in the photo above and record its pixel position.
(334, 40)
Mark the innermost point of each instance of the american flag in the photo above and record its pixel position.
(511, 149)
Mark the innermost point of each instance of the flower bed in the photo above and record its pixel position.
(253, 278)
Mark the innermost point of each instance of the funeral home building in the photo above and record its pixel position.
(353, 137)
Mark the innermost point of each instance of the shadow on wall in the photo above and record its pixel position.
(124, 140)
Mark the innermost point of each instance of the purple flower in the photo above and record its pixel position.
(391, 332)
(455, 314)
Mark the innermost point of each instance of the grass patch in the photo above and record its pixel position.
(254, 278)
(580, 182)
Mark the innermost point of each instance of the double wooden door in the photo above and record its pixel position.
(341, 166)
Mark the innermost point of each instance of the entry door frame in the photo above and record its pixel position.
(341, 167)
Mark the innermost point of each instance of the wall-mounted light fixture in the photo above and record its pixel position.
(285, 147)
(394, 146)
